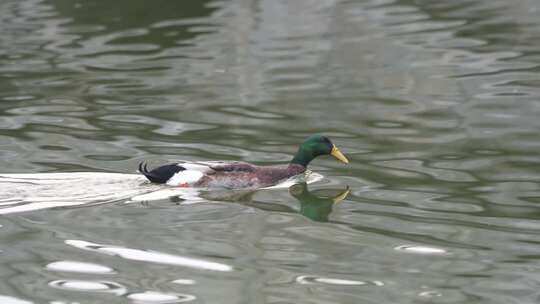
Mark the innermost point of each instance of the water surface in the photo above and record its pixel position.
(435, 103)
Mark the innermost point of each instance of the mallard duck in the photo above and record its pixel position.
(240, 175)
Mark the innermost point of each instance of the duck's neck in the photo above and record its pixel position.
(303, 157)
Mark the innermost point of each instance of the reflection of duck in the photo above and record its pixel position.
(312, 206)
(315, 207)
(239, 175)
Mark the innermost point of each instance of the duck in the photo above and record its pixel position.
(241, 175)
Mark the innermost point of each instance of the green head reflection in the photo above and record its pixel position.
(314, 207)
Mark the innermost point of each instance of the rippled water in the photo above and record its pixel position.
(436, 104)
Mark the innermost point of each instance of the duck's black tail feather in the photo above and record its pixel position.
(161, 174)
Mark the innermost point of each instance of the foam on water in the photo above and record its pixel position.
(27, 192)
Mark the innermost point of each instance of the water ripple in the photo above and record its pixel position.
(82, 267)
(157, 297)
(307, 280)
(149, 256)
(13, 300)
(421, 249)
(90, 286)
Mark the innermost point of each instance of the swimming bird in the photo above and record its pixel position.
(240, 175)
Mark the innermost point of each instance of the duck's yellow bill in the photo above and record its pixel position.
(337, 154)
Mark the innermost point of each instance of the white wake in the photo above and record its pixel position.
(28, 192)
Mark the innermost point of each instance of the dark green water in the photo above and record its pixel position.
(436, 104)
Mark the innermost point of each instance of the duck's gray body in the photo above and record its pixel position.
(219, 174)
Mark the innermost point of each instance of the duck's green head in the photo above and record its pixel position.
(314, 146)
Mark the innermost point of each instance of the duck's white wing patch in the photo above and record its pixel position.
(185, 178)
